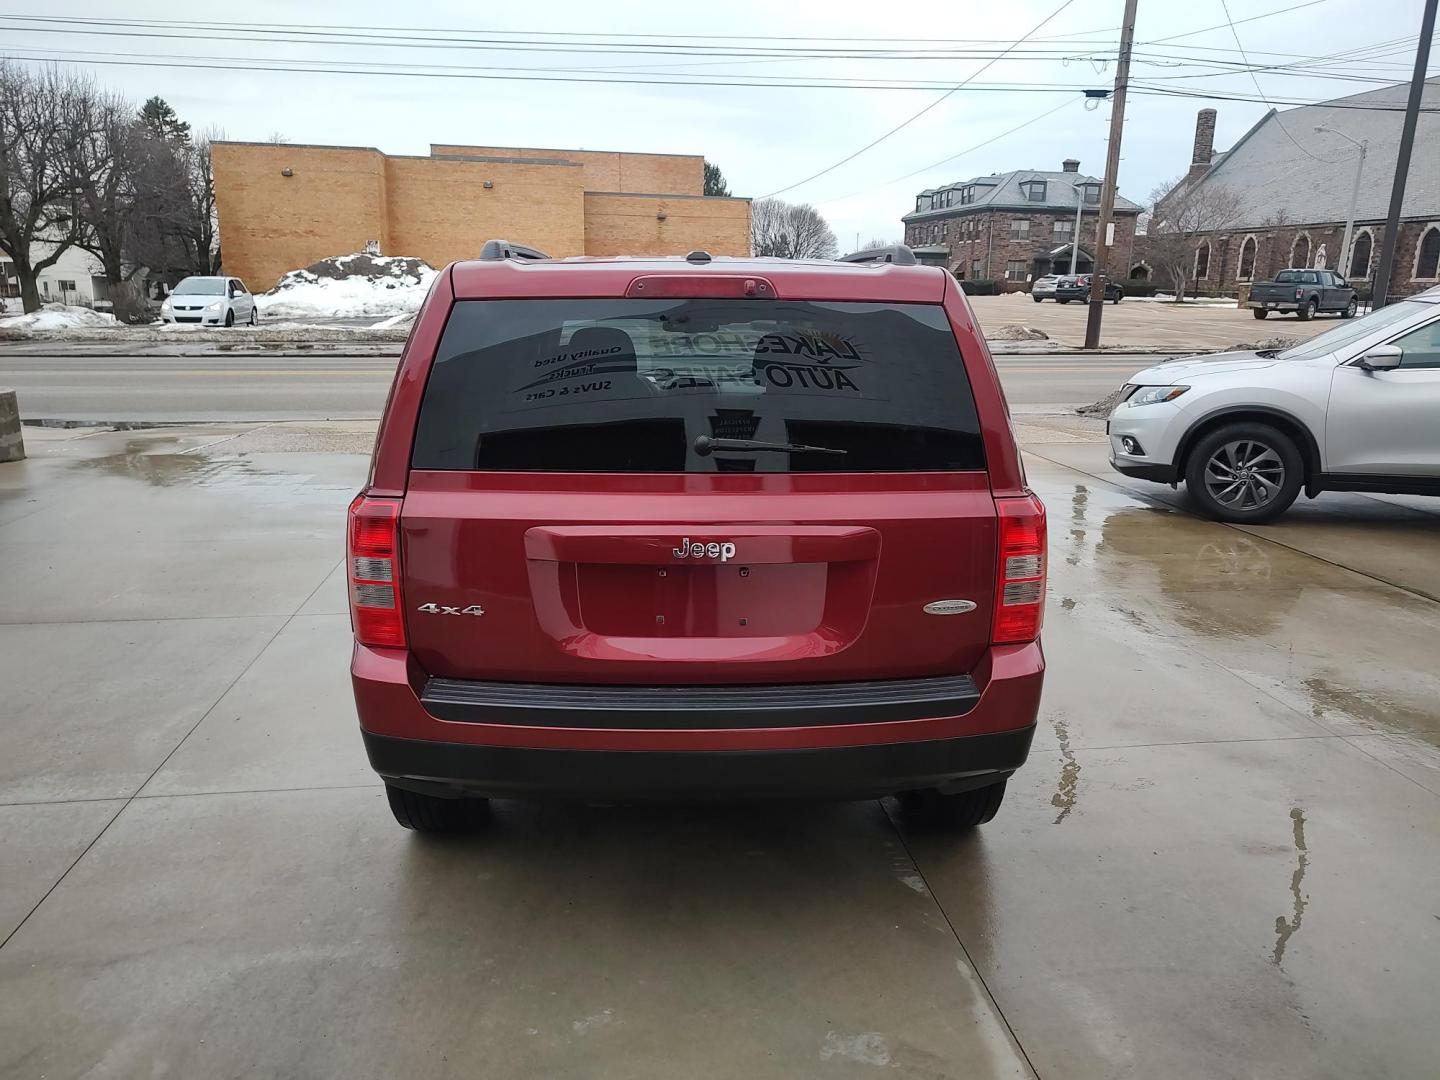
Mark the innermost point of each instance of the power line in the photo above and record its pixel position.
(905, 123)
(358, 38)
(1256, 80)
(450, 32)
(953, 157)
(245, 64)
(443, 72)
(1233, 23)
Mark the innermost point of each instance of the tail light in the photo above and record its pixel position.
(373, 558)
(1020, 593)
(1299, 294)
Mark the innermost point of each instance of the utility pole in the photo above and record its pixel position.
(1075, 236)
(1112, 167)
(1402, 163)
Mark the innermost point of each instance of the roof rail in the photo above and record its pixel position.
(504, 249)
(898, 254)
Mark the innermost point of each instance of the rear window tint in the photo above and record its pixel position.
(625, 385)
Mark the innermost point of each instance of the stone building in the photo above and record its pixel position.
(1294, 173)
(283, 206)
(1014, 227)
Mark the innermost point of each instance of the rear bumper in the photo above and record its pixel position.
(1276, 305)
(952, 765)
(950, 733)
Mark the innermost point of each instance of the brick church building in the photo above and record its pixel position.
(1295, 171)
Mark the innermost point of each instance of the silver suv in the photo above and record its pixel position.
(1355, 409)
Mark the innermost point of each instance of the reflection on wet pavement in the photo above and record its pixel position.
(1286, 928)
(1064, 797)
(1079, 501)
(137, 461)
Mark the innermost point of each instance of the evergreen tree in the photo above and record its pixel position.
(162, 123)
(715, 181)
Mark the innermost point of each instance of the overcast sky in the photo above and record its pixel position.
(764, 138)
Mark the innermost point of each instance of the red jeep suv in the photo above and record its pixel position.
(690, 527)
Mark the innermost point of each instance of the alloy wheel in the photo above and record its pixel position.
(1244, 475)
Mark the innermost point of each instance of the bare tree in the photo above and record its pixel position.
(200, 234)
(41, 123)
(1181, 215)
(108, 173)
(790, 231)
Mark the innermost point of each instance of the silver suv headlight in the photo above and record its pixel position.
(1153, 395)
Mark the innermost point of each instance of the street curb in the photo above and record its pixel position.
(57, 423)
(1006, 348)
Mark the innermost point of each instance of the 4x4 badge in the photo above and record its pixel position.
(441, 609)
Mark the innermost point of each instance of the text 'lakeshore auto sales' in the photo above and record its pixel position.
(645, 360)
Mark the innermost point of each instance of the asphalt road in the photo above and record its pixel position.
(69, 385)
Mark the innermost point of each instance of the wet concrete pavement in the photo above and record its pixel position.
(1220, 861)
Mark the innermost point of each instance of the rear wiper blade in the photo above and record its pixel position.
(705, 445)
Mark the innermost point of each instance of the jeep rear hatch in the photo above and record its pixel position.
(680, 490)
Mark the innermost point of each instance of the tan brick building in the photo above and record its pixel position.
(284, 206)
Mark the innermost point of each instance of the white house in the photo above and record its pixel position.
(76, 278)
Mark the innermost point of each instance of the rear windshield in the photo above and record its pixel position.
(1296, 277)
(631, 385)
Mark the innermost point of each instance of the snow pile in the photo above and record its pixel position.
(57, 317)
(1016, 332)
(1198, 301)
(349, 286)
(396, 322)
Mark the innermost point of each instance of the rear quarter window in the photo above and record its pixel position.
(626, 385)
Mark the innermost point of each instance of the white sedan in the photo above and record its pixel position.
(210, 301)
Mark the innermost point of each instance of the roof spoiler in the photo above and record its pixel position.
(504, 249)
(898, 254)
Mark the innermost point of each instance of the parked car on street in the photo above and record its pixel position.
(1043, 288)
(695, 527)
(1078, 288)
(1354, 409)
(1306, 293)
(210, 301)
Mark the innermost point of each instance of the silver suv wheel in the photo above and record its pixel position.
(1244, 475)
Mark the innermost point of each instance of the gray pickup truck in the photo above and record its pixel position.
(1305, 292)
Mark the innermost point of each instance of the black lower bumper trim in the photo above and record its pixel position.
(835, 772)
(690, 707)
(1160, 474)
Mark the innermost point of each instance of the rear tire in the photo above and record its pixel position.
(254, 317)
(966, 810)
(1306, 312)
(1037, 299)
(1246, 473)
(1350, 309)
(431, 814)
(1259, 312)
